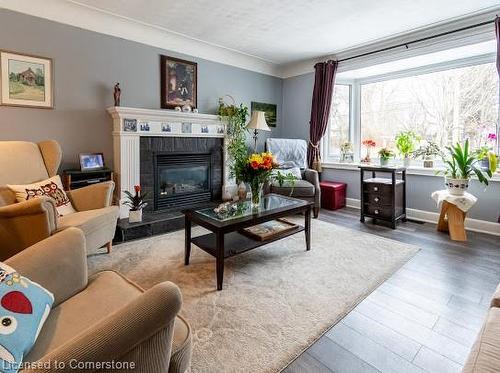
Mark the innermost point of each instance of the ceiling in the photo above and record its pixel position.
(285, 31)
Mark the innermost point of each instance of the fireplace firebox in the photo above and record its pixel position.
(182, 179)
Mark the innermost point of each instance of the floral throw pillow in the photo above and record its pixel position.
(24, 308)
(51, 188)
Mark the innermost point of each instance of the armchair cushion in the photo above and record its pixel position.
(25, 305)
(106, 293)
(93, 196)
(301, 188)
(51, 188)
(98, 225)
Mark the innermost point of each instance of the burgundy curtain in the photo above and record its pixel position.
(324, 80)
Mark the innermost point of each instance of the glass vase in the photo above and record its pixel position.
(256, 188)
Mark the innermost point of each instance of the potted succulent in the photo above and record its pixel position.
(460, 165)
(427, 153)
(136, 203)
(406, 143)
(385, 154)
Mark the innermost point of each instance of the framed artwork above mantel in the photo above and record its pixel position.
(26, 80)
(179, 83)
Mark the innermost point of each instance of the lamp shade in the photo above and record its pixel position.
(258, 121)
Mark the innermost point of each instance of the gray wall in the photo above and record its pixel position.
(297, 93)
(86, 66)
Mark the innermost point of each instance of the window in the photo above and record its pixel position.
(444, 106)
(338, 126)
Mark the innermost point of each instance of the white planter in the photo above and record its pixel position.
(384, 162)
(135, 216)
(457, 187)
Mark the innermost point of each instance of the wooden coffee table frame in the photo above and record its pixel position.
(226, 241)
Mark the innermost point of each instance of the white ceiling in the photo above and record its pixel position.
(285, 31)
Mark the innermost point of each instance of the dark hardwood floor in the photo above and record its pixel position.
(424, 318)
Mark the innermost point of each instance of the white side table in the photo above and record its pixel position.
(453, 212)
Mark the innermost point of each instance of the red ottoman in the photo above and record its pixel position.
(332, 195)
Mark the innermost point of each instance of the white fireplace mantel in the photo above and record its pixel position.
(129, 124)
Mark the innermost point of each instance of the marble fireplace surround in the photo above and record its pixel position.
(132, 124)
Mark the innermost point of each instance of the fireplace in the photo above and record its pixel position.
(181, 179)
(180, 172)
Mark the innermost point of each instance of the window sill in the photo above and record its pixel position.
(412, 170)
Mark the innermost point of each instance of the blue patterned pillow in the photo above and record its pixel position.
(24, 307)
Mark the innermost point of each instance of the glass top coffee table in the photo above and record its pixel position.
(226, 240)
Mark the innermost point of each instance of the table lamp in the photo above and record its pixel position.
(257, 122)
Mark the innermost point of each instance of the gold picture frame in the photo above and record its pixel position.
(26, 80)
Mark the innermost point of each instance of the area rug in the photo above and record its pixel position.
(276, 300)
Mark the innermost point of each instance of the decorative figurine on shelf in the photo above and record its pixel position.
(117, 94)
(368, 143)
(177, 108)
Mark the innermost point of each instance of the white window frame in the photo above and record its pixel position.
(355, 98)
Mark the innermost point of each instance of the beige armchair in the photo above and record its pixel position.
(105, 318)
(25, 223)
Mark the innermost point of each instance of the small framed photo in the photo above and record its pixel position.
(270, 111)
(145, 127)
(166, 127)
(26, 80)
(91, 161)
(187, 127)
(179, 83)
(129, 125)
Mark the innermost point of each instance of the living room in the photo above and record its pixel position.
(268, 187)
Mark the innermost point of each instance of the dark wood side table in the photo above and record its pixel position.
(383, 198)
(74, 179)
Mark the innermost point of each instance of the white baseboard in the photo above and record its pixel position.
(474, 225)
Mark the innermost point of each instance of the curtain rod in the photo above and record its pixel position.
(416, 41)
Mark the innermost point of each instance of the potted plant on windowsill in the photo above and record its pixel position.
(136, 203)
(385, 154)
(460, 165)
(427, 153)
(485, 152)
(406, 143)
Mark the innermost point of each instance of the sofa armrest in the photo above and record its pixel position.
(24, 223)
(92, 197)
(58, 263)
(313, 177)
(124, 330)
(495, 300)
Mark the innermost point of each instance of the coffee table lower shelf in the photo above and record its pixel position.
(236, 243)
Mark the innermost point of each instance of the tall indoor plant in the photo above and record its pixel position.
(406, 142)
(235, 118)
(460, 165)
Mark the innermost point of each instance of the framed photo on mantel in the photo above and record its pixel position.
(26, 80)
(179, 83)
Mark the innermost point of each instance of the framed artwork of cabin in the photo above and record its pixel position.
(26, 80)
(179, 83)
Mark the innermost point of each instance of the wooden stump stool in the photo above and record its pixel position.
(452, 220)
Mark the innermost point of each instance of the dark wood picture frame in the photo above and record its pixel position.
(164, 73)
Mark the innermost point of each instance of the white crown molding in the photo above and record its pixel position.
(88, 18)
(458, 39)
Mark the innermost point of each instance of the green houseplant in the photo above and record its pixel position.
(235, 118)
(406, 142)
(460, 165)
(385, 154)
(135, 202)
(427, 153)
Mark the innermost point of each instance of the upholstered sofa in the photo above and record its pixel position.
(24, 223)
(485, 353)
(104, 318)
(293, 153)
